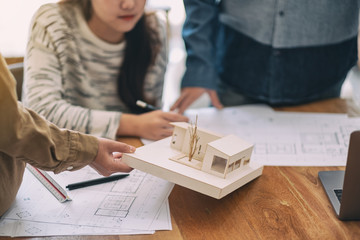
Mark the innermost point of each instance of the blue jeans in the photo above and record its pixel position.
(252, 72)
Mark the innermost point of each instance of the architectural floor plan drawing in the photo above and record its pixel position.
(132, 205)
(283, 138)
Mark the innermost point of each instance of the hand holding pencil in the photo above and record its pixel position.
(152, 125)
(146, 106)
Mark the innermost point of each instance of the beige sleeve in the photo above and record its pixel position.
(26, 137)
(44, 145)
(29, 137)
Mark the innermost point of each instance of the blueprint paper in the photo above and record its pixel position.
(283, 138)
(15, 228)
(134, 205)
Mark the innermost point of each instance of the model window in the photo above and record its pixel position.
(237, 164)
(219, 164)
(173, 140)
(231, 167)
(246, 161)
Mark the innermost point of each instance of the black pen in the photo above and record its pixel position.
(146, 106)
(95, 181)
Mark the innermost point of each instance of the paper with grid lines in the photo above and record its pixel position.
(283, 138)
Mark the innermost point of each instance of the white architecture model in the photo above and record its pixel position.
(218, 165)
(220, 156)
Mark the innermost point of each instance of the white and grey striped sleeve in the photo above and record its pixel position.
(43, 84)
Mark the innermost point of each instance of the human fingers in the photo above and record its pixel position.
(114, 146)
(119, 166)
(177, 103)
(187, 97)
(182, 103)
(162, 133)
(157, 126)
(107, 165)
(215, 99)
(115, 165)
(166, 132)
(174, 117)
(106, 162)
(117, 155)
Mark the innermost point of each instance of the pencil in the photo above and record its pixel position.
(96, 181)
(146, 106)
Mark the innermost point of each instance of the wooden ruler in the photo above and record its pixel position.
(49, 183)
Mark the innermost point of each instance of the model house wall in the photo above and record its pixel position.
(217, 155)
(181, 137)
(226, 156)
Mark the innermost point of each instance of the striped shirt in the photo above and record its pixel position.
(71, 74)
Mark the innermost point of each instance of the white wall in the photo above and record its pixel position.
(15, 17)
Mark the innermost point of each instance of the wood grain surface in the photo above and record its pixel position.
(284, 203)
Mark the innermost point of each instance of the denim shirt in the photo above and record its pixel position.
(276, 51)
(293, 23)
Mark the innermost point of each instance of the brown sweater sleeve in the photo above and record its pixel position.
(27, 137)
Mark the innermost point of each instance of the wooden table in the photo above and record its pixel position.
(284, 203)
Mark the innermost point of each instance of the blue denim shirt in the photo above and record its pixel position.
(275, 51)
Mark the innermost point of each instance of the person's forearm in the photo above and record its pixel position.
(129, 125)
(42, 144)
(199, 34)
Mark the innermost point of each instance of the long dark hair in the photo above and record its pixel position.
(141, 50)
(142, 47)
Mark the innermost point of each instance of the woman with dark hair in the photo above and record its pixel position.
(89, 61)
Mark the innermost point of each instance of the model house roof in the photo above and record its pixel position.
(230, 145)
